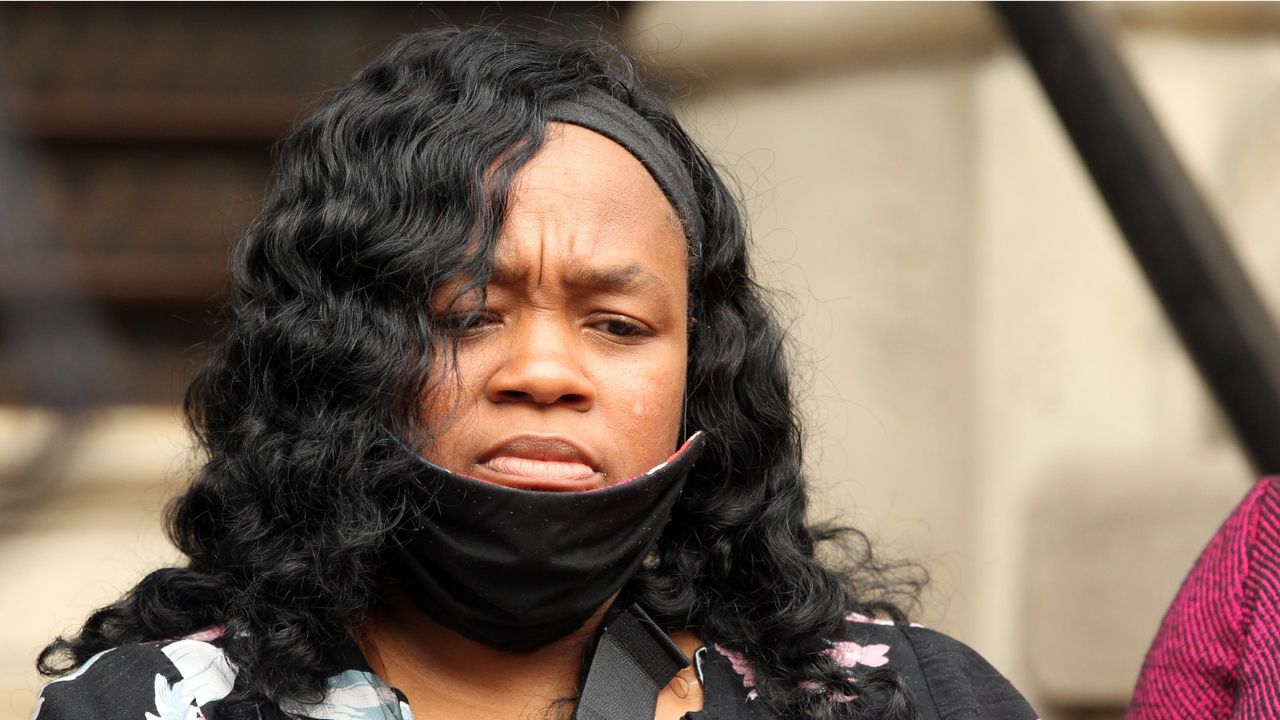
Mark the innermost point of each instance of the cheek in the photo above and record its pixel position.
(650, 400)
(451, 401)
(659, 395)
(653, 409)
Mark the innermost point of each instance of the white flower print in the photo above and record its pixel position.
(173, 702)
(206, 676)
(353, 695)
(206, 673)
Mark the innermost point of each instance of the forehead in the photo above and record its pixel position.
(586, 196)
(581, 165)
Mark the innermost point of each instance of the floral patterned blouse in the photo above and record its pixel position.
(185, 679)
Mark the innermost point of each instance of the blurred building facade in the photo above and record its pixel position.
(991, 389)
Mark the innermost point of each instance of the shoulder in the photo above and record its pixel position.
(1261, 592)
(1261, 508)
(1248, 542)
(186, 678)
(1216, 647)
(1234, 577)
(946, 676)
(161, 680)
(1250, 532)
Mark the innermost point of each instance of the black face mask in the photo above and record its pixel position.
(516, 569)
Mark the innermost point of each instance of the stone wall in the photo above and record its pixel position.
(992, 388)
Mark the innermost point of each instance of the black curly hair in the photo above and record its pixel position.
(395, 186)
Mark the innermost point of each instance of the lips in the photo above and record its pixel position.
(540, 463)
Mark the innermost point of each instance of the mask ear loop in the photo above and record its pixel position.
(692, 325)
(684, 414)
(685, 433)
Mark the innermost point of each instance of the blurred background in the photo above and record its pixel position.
(991, 388)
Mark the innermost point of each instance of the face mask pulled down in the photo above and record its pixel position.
(517, 569)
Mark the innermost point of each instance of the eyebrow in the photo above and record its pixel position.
(632, 277)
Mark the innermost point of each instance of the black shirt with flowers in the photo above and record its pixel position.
(185, 679)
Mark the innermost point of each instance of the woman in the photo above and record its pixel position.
(494, 288)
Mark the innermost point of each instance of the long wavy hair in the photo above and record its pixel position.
(395, 186)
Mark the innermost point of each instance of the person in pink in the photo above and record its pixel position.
(1217, 653)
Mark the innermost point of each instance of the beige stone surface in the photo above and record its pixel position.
(1077, 359)
(856, 187)
(766, 42)
(92, 539)
(971, 320)
(1109, 540)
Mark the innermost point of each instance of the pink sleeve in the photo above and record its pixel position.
(1217, 653)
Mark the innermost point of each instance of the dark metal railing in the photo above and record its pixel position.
(1180, 246)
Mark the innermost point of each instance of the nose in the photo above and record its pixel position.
(541, 366)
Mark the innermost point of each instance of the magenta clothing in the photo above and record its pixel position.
(1217, 654)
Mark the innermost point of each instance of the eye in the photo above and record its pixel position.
(465, 323)
(621, 327)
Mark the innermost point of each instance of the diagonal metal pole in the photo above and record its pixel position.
(1180, 246)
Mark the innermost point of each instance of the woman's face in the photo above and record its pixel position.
(570, 374)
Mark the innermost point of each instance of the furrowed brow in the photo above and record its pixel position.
(631, 277)
(616, 278)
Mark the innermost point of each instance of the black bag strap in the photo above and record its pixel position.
(634, 660)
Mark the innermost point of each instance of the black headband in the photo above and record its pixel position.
(599, 111)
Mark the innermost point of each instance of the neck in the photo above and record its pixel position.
(456, 676)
